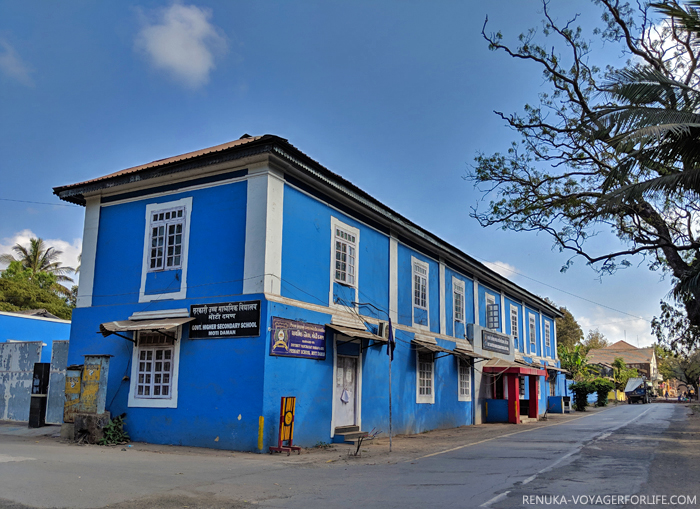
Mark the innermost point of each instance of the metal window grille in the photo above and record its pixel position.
(521, 384)
(459, 303)
(425, 374)
(155, 366)
(345, 257)
(166, 239)
(533, 330)
(547, 338)
(420, 286)
(493, 316)
(514, 322)
(464, 379)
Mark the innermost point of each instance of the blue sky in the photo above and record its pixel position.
(395, 96)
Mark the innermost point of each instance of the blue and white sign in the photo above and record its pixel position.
(290, 338)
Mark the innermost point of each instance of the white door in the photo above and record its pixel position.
(345, 393)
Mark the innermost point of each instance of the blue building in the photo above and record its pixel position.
(36, 325)
(227, 278)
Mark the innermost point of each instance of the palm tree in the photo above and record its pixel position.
(38, 257)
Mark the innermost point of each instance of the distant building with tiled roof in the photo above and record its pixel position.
(642, 359)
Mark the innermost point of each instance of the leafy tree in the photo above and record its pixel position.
(682, 367)
(602, 387)
(20, 290)
(621, 373)
(581, 390)
(569, 332)
(38, 258)
(575, 362)
(595, 134)
(595, 339)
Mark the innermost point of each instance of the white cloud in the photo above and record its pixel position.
(69, 257)
(181, 41)
(12, 66)
(502, 268)
(616, 327)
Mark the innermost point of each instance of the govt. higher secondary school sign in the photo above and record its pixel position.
(225, 320)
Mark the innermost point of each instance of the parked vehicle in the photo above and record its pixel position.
(638, 390)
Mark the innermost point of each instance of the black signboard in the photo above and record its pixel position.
(495, 342)
(225, 320)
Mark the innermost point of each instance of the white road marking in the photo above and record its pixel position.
(495, 499)
(4, 458)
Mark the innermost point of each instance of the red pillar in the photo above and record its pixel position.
(513, 399)
(534, 400)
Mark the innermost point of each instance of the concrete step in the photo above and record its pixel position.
(526, 420)
(346, 429)
(349, 437)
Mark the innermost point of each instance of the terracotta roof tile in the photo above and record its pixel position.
(162, 162)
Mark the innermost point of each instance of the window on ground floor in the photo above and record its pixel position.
(154, 371)
(465, 380)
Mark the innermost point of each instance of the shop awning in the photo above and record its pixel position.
(430, 347)
(560, 370)
(160, 325)
(356, 333)
(461, 352)
(503, 366)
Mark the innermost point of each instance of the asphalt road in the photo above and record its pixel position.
(650, 450)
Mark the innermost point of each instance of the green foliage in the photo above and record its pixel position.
(575, 362)
(581, 390)
(114, 432)
(682, 367)
(602, 387)
(621, 373)
(611, 150)
(20, 289)
(569, 332)
(594, 340)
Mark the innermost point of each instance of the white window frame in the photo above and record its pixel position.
(415, 262)
(337, 224)
(458, 288)
(151, 208)
(425, 398)
(464, 372)
(547, 335)
(491, 301)
(142, 402)
(165, 219)
(514, 328)
(532, 331)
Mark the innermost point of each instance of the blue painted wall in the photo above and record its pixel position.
(483, 291)
(219, 385)
(217, 235)
(306, 255)
(26, 328)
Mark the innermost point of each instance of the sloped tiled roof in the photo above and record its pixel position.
(246, 138)
(621, 345)
(630, 356)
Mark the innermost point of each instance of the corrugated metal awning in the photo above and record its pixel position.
(430, 347)
(560, 370)
(461, 352)
(355, 333)
(161, 325)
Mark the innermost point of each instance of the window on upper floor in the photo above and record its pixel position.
(547, 335)
(514, 321)
(458, 301)
(425, 387)
(533, 330)
(166, 238)
(345, 256)
(420, 284)
(465, 379)
(493, 315)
